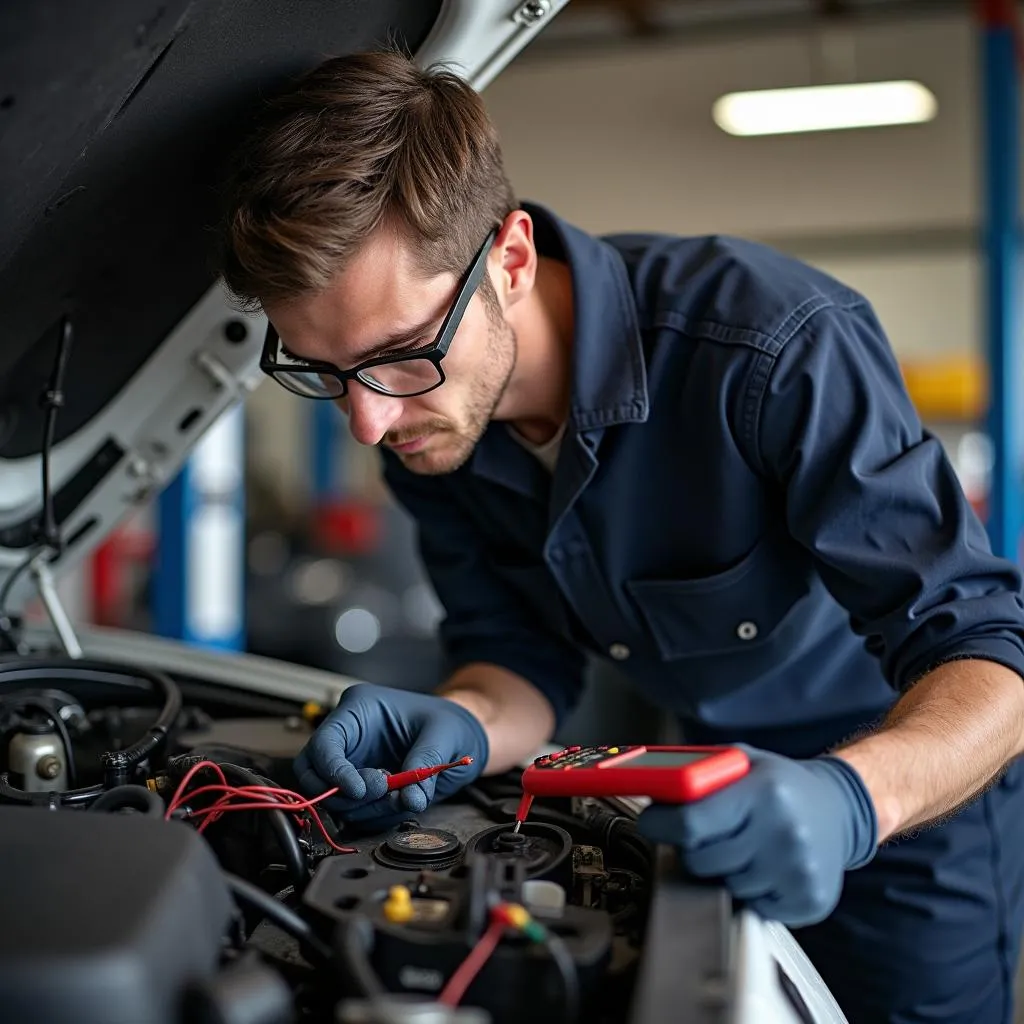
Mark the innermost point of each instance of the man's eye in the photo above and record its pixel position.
(289, 354)
(403, 349)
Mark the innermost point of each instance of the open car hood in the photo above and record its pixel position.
(115, 117)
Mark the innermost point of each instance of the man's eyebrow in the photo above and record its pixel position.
(396, 339)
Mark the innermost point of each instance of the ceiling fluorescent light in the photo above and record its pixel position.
(823, 108)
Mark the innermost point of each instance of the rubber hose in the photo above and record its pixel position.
(136, 798)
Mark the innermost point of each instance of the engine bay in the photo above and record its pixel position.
(162, 868)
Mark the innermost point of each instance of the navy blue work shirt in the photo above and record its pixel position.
(746, 514)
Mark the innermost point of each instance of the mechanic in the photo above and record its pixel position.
(694, 456)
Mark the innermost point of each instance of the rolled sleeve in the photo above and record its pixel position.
(485, 619)
(874, 498)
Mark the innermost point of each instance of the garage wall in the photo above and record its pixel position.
(625, 140)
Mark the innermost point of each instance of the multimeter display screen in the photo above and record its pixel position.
(662, 759)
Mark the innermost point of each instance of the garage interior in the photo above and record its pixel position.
(277, 537)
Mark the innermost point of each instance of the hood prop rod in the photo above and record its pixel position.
(49, 542)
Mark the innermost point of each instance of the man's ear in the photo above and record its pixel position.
(513, 259)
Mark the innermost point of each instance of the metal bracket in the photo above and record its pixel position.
(531, 12)
(40, 571)
(219, 374)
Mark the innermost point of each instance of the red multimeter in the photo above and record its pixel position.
(670, 775)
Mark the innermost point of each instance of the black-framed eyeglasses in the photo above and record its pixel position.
(402, 375)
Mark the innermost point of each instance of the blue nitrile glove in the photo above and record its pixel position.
(375, 729)
(780, 838)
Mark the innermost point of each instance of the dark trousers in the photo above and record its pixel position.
(930, 929)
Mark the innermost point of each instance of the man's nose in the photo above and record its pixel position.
(370, 414)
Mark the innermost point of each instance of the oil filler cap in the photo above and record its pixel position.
(416, 848)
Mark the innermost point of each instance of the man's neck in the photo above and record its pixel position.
(536, 401)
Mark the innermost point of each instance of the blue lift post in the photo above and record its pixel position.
(199, 583)
(326, 468)
(1000, 99)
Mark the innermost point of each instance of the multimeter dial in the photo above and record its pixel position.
(579, 757)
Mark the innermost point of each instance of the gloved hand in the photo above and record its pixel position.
(377, 728)
(780, 838)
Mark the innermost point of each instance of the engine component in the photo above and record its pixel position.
(543, 898)
(280, 739)
(399, 1010)
(80, 674)
(37, 758)
(415, 848)
(543, 849)
(246, 992)
(423, 926)
(107, 917)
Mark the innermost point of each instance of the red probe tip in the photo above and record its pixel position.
(414, 775)
(523, 810)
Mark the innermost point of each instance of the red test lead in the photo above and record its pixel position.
(400, 779)
(522, 811)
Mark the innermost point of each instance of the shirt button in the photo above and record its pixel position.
(746, 630)
(620, 652)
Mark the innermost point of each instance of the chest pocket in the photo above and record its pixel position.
(750, 606)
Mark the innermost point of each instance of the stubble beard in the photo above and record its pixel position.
(455, 443)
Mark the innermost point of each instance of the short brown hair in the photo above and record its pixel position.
(357, 142)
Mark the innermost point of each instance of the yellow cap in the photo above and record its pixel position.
(398, 906)
(311, 709)
(517, 915)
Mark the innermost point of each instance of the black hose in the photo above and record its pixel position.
(84, 796)
(355, 938)
(53, 799)
(294, 858)
(283, 916)
(570, 978)
(5, 592)
(135, 798)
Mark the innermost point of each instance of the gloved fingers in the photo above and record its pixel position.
(387, 805)
(717, 816)
(793, 911)
(435, 744)
(327, 754)
(692, 826)
(751, 884)
(416, 798)
(661, 823)
(375, 785)
(803, 896)
(724, 857)
(309, 782)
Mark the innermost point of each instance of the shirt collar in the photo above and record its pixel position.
(609, 374)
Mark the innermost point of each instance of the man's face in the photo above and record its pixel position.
(380, 295)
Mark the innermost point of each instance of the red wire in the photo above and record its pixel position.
(466, 972)
(289, 801)
(189, 775)
(293, 804)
